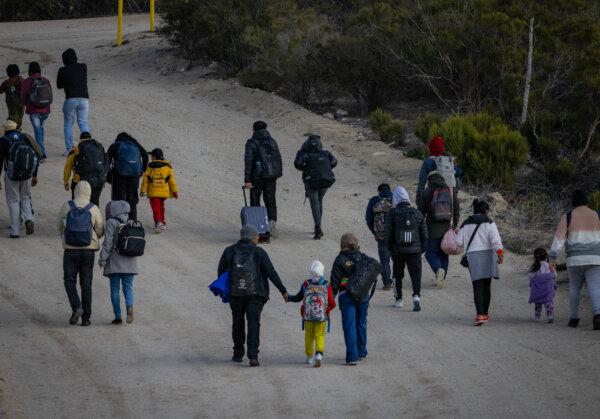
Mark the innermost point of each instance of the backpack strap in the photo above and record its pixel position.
(72, 205)
(88, 207)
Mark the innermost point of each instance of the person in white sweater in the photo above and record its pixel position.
(481, 240)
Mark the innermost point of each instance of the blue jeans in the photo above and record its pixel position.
(115, 298)
(435, 256)
(37, 121)
(75, 108)
(354, 322)
(384, 259)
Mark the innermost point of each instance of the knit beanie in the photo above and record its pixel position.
(579, 198)
(248, 232)
(258, 125)
(316, 270)
(437, 146)
(9, 125)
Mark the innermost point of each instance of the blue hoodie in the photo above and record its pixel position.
(370, 215)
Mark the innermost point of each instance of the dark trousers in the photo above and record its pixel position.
(79, 262)
(269, 189)
(384, 259)
(315, 196)
(243, 308)
(412, 261)
(482, 295)
(96, 192)
(126, 189)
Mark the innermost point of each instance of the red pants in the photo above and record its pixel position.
(158, 209)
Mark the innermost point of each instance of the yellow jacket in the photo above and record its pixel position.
(159, 180)
(70, 165)
(83, 192)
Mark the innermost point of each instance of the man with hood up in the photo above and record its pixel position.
(73, 79)
(316, 164)
(79, 260)
(262, 168)
(377, 209)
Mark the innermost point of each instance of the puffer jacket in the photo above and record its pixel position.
(159, 180)
(437, 229)
(313, 144)
(252, 160)
(117, 213)
(419, 244)
(83, 192)
(343, 268)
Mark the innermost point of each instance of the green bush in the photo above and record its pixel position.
(424, 123)
(487, 149)
(594, 199)
(418, 152)
(388, 129)
(560, 171)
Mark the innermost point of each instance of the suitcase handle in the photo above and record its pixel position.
(244, 192)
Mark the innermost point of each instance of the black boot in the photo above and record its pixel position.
(597, 322)
(573, 323)
(318, 232)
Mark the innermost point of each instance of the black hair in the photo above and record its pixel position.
(12, 70)
(539, 255)
(258, 125)
(480, 206)
(579, 198)
(382, 187)
(34, 67)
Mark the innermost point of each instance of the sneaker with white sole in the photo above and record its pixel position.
(318, 360)
(159, 228)
(398, 303)
(416, 303)
(310, 360)
(273, 229)
(440, 277)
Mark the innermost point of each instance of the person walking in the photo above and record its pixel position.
(81, 226)
(542, 282)
(249, 268)
(159, 184)
(316, 165)
(377, 209)
(440, 162)
(439, 203)
(19, 156)
(579, 232)
(406, 240)
(120, 269)
(87, 161)
(36, 94)
(481, 240)
(11, 87)
(262, 168)
(73, 79)
(128, 160)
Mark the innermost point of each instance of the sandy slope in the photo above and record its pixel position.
(174, 361)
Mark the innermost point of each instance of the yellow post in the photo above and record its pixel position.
(151, 15)
(120, 23)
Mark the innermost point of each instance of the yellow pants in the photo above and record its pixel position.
(314, 337)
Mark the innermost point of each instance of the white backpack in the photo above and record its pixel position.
(445, 166)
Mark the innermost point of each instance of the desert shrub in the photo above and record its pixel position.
(424, 123)
(594, 199)
(547, 148)
(419, 152)
(384, 125)
(560, 171)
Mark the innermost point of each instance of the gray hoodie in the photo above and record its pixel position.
(117, 213)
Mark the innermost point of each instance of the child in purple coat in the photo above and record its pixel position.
(542, 281)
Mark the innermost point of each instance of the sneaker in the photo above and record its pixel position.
(596, 322)
(416, 303)
(573, 323)
(352, 363)
(398, 303)
(14, 236)
(237, 356)
(551, 320)
(75, 316)
(318, 360)
(479, 320)
(65, 154)
(318, 233)
(537, 318)
(485, 317)
(163, 226)
(159, 228)
(254, 363)
(86, 323)
(310, 360)
(43, 158)
(361, 359)
(117, 321)
(440, 277)
(129, 315)
(29, 227)
(273, 229)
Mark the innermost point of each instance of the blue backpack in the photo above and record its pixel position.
(79, 229)
(129, 160)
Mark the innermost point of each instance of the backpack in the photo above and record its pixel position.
(91, 163)
(406, 227)
(22, 159)
(380, 210)
(319, 174)
(441, 206)
(364, 278)
(243, 275)
(131, 239)
(271, 166)
(79, 229)
(315, 300)
(13, 97)
(129, 160)
(40, 95)
(445, 166)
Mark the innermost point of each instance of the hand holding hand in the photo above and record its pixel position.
(66, 186)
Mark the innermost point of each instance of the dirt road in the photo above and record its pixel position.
(174, 360)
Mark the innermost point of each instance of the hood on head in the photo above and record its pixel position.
(316, 270)
(118, 209)
(436, 179)
(400, 195)
(83, 191)
(69, 57)
(312, 144)
(123, 136)
(261, 134)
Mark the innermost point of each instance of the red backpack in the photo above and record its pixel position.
(441, 206)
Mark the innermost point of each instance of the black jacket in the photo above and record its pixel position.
(72, 77)
(5, 151)
(265, 267)
(438, 229)
(419, 245)
(251, 154)
(113, 154)
(312, 145)
(343, 268)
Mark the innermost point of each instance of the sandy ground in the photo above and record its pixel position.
(174, 360)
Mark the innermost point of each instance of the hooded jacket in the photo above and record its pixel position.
(73, 76)
(7, 85)
(117, 213)
(113, 154)
(312, 144)
(159, 180)
(83, 192)
(26, 89)
(5, 144)
(343, 268)
(437, 229)
(370, 214)
(391, 242)
(251, 154)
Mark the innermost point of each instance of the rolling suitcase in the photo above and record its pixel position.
(256, 216)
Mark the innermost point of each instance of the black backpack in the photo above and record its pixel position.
(406, 226)
(40, 95)
(318, 174)
(22, 160)
(131, 239)
(13, 96)
(364, 278)
(243, 274)
(271, 166)
(91, 163)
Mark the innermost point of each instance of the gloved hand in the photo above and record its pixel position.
(175, 195)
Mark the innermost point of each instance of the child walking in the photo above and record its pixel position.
(159, 184)
(542, 281)
(317, 302)
(118, 268)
